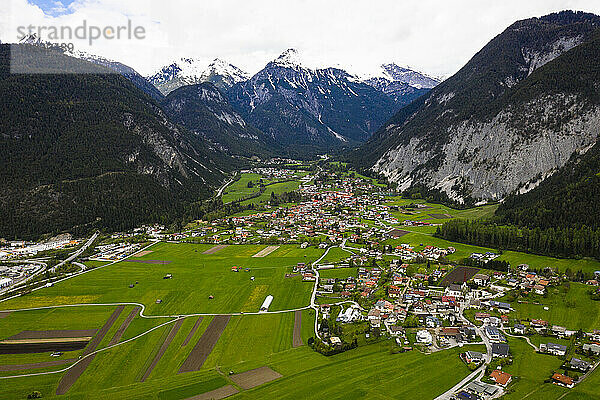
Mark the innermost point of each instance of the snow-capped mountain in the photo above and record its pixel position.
(289, 59)
(192, 71)
(312, 109)
(419, 80)
(403, 84)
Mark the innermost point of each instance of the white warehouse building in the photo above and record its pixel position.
(266, 304)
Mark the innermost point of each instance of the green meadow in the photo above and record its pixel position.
(239, 189)
(573, 309)
(276, 188)
(196, 276)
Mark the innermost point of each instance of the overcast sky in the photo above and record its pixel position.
(437, 37)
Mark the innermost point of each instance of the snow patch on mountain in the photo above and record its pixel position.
(192, 71)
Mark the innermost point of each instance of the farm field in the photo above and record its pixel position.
(366, 372)
(114, 374)
(196, 276)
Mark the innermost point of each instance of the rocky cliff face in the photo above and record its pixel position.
(488, 160)
(516, 112)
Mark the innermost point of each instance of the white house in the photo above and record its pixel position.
(424, 337)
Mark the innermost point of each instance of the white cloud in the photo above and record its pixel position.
(437, 37)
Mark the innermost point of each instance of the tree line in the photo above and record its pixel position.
(556, 242)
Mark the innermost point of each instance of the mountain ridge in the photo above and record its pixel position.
(463, 138)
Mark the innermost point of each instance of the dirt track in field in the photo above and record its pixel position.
(297, 341)
(163, 348)
(119, 333)
(256, 377)
(142, 253)
(63, 334)
(216, 394)
(4, 314)
(459, 274)
(191, 334)
(205, 344)
(213, 250)
(161, 262)
(74, 373)
(265, 252)
(45, 364)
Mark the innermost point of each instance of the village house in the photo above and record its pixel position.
(539, 289)
(493, 334)
(473, 357)
(500, 350)
(468, 333)
(519, 329)
(395, 330)
(500, 306)
(432, 322)
(579, 365)
(592, 348)
(424, 337)
(500, 377)
(394, 291)
(562, 380)
(481, 316)
(456, 290)
(481, 279)
(539, 324)
(553, 348)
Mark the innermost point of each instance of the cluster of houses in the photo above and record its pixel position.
(408, 252)
(484, 257)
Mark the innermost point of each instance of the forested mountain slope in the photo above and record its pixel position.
(91, 150)
(205, 111)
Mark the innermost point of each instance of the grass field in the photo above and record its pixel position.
(573, 309)
(239, 189)
(335, 255)
(481, 212)
(196, 276)
(276, 188)
(532, 369)
(416, 239)
(339, 273)
(559, 264)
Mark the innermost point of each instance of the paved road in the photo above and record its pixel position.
(77, 253)
(23, 281)
(222, 188)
